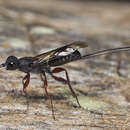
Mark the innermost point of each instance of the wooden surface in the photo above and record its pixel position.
(102, 83)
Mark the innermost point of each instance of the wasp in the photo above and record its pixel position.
(50, 62)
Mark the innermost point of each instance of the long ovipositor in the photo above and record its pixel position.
(106, 51)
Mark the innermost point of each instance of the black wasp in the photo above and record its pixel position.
(42, 64)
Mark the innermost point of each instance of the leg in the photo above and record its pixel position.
(49, 96)
(59, 69)
(25, 84)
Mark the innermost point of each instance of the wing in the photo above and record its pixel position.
(69, 48)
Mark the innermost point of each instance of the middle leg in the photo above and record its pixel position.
(49, 96)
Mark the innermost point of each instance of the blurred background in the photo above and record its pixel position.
(29, 27)
(43, 23)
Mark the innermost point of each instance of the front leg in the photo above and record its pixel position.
(67, 81)
(25, 83)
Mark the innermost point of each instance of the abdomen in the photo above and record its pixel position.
(60, 60)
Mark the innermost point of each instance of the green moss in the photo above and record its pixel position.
(90, 103)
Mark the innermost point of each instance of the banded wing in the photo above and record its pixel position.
(64, 50)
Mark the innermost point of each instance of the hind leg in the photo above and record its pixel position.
(67, 81)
